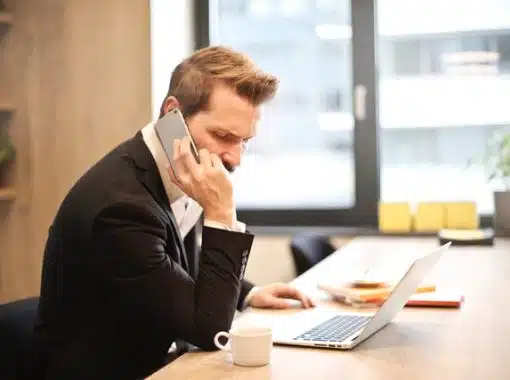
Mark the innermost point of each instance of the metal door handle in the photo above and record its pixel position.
(360, 93)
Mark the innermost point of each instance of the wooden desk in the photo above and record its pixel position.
(470, 343)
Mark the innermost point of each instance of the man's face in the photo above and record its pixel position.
(225, 127)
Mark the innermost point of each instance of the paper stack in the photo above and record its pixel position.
(425, 295)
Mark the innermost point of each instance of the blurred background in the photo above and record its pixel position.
(442, 80)
(380, 100)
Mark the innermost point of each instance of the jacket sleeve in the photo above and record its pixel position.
(191, 245)
(246, 286)
(131, 257)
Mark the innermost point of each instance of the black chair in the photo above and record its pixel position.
(17, 354)
(309, 249)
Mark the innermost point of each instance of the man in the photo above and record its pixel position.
(124, 281)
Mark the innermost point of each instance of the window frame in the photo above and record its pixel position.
(365, 149)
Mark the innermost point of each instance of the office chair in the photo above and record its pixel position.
(309, 249)
(17, 356)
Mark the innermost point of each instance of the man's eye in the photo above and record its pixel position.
(221, 136)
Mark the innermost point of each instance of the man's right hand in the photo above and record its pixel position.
(207, 182)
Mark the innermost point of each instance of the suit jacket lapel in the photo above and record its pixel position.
(149, 176)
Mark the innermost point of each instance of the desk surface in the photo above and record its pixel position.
(426, 343)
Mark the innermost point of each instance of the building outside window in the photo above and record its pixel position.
(443, 87)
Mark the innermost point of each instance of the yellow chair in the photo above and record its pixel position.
(395, 217)
(461, 215)
(429, 217)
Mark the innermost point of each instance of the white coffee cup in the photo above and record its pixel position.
(250, 346)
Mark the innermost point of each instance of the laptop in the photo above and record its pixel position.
(345, 330)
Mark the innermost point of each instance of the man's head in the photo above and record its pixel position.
(219, 92)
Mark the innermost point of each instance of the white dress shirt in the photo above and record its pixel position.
(186, 211)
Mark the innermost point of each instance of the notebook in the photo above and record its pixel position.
(426, 295)
(437, 299)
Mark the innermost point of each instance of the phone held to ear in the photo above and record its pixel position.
(170, 128)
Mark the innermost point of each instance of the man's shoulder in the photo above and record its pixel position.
(137, 201)
(113, 180)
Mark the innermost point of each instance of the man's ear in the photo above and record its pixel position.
(169, 104)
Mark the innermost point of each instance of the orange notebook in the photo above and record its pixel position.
(425, 296)
(436, 299)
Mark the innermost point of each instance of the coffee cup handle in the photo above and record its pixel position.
(217, 343)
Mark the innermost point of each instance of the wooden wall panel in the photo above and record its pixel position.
(78, 74)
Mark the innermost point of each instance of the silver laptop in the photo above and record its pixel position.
(345, 330)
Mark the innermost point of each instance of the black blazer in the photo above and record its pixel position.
(119, 284)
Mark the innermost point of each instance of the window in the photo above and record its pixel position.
(439, 48)
(338, 138)
(303, 160)
(331, 101)
(407, 57)
(434, 122)
(291, 145)
(503, 42)
(232, 7)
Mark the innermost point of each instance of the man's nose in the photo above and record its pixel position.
(233, 156)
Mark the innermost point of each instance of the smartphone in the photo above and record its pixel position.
(171, 127)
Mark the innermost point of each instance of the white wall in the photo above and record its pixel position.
(172, 39)
(271, 259)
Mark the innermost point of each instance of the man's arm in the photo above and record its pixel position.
(132, 244)
(246, 286)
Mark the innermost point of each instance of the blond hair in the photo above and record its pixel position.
(194, 78)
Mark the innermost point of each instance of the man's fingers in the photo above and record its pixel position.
(177, 167)
(187, 155)
(185, 165)
(177, 149)
(285, 290)
(205, 158)
(292, 292)
(309, 302)
(216, 162)
(278, 303)
(304, 300)
(173, 176)
(171, 173)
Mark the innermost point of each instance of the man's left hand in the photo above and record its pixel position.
(276, 296)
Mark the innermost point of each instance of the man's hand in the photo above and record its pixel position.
(276, 296)
(207, 182)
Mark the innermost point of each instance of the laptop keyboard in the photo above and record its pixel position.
(335, 329)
